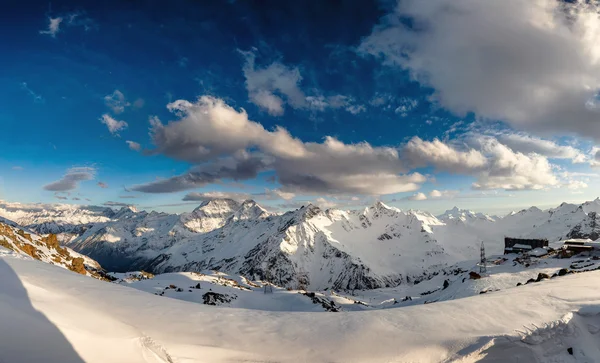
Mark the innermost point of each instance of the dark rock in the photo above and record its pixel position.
(446, 284)
(474, 275)
(563, 271)
(214, 298)
(570, 350)
(530, 281)
(542, 276)
(519, 284)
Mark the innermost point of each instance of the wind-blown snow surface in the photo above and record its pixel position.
(52, 315)
(379, 246)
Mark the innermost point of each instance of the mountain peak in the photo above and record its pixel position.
(126, 210)
(219, 202)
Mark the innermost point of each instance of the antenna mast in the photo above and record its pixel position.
(483, 262)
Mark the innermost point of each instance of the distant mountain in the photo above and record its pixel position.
(379, 246)
(64, 220)
(464, 215)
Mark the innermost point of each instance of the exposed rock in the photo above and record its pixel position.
(328, 305)
(214, 298)
(474, 275)
(542, 276)
(78, 266)
(563, 271)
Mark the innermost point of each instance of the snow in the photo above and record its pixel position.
(538, 252)
(522, 246)
(52, 315)
(380, 246)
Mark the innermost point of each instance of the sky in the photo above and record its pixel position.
(485, 105)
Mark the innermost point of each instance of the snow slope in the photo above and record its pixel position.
(49, 314)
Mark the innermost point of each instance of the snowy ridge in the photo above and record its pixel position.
(23, 243)
(379, 246)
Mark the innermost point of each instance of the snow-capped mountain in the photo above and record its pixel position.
(464, 215)
(378, 246)
(64, 220)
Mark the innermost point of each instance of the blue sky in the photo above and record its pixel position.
(424, 108)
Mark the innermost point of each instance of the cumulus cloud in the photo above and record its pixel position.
(71, 179)
(116, 101)
(530, 144)
(495, 165)
(443, 156)
(532, 63)
(114, 126)
(268, 87)
(417, 197)
(102, 185)
(209, 130)
(134, 145)
(203, 197)
(17, 167)
(53, 26)
(576, 185)
(325, 203)
(512, 170)
(443, 194)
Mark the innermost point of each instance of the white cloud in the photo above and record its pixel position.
(322, 103)
(116, 102)
(53, 26)
(406, 106)
(443, 194)
(511, 170)
(267, 87)
(71, 179)
(324, 203)
(17, 167)
(417, 197)
(113, 125)
(134, 145)
(278, 194)
(576, 185)
(443, 156)
(530, 144)
(532, 63)
(495, 165)
(209, 129)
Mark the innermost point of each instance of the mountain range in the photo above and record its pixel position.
(378, 246)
